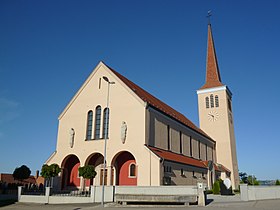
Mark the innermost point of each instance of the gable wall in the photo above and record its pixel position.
(124, 106)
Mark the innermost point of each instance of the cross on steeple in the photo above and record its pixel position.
(208, 16)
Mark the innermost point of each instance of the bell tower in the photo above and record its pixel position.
(216, 114)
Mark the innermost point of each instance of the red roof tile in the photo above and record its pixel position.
(217, 166)
(171, 156)
(213, 78)
(224, 169)
(158, 104)
(8, 178)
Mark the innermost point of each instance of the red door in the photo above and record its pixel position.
(74, 179)
(126, 177)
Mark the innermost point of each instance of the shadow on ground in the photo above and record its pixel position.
(7, 202)
(208, 201)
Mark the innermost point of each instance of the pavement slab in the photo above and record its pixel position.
(217, 204)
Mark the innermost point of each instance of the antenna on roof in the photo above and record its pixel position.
(208, 16)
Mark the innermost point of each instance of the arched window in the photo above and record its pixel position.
(89, 125)
(97, 122)
(132, 170)
(207, 102)
(216, 101)
(212, 100)
(106, 120)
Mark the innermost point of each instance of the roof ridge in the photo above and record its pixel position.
(171, 156)
(175, 153)
(157, 103)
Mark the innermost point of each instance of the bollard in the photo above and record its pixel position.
(201, 194)
(47, 194)
(19, 192)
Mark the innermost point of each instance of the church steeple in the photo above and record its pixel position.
(213, 78)
(216, 114)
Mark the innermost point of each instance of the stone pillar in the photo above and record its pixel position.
(244, 192)
(92, 193)
(19, 192)
(201, 194)
(209, 174)
(82, 184)
(47, 194)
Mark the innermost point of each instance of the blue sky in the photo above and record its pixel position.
(48, 48)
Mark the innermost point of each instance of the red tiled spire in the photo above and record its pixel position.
(213, 78)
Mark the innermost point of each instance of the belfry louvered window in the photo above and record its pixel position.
(89, 125)
(97, 122)
(216, 101)
(207, 102)
(212, 100)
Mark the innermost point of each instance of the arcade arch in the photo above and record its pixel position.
(122, 164)
(70, 175)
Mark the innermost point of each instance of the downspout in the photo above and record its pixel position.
(150, 168)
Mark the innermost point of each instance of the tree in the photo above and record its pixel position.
(21, 173)
(48, 172)
(87, 172)
(277, 182)
(252, 180)
(243, 177)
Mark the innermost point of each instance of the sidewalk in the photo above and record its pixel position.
(223, 198)
(234, 202)
(217, 202)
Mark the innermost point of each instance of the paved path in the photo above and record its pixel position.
(224, 198)
(219, 203)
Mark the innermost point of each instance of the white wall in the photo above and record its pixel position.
(157, 190)
(249, 193)
(110, 192)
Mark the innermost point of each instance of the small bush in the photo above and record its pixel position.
(216, 188)
(236, 191)
(277, 182)
(209, 192)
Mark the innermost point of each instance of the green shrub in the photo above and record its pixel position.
(236, 191)
(209, 191)
(87, 172)
(216, 188)
(277, 182)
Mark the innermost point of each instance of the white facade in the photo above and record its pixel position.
(152, 140)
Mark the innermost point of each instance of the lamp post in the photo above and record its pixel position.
(105, 137)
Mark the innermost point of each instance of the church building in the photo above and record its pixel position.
(144, 141)
(216, 115)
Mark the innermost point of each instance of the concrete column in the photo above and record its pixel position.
(244, 192)
(19, 192)
(92, 193)
(213, 175)
(82, 184)
(209, 179)
(47, 194)
(201, 194)
(109, 171)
